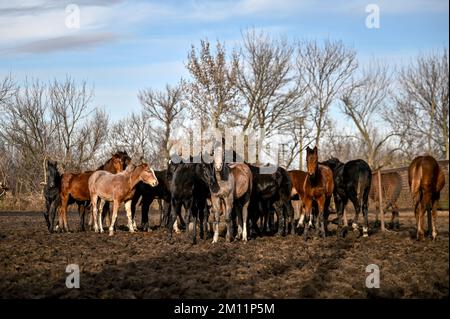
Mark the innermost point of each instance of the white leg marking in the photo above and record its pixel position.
(175, 227)
(244, 232)
(301, 220)
(365, 230)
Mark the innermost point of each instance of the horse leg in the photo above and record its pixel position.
(94, 199)
(434, 231)
(201, 217)
(245, 218)
(63, 210)
(175, 208)
(354, 200)
(100, 216)
(134, 202)
(237, 208)
(281, 217)
(116, 205)
(144, 213)
(216, 207)
(53, 209)
(194, 232)
(46, 213)
(421, 218)
(106, 214)
(307, 206)
(130, 219)
(320, 225)
(228, 203)
(395, 217)
(365, 211)
(81, 213)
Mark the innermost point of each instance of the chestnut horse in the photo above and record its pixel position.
(426, 180)
(117, 188)
(74, 187)
(317, 187)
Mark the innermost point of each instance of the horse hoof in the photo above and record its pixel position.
(111, 233)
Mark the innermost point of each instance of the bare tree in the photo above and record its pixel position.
(267, 84)
(26, 130)
(135, 135)
(212, 91)
(420, 115)
(90, 138)
(7, 89)
(362, 101)
(70, 106)
(163, 109)
(325, 70)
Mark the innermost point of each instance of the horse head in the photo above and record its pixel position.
(207, 174)
(148, 175)
(312, 160)
(51, 173)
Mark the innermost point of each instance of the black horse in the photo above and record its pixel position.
(148, 194)
(271, 192)
(190, 187)
(352, 181)
(51, 193)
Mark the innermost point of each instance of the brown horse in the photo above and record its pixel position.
(74, 187)
(391, 186)
(426, 180)
(118, 188)
(317, 187)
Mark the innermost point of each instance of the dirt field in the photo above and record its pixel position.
(145, 265)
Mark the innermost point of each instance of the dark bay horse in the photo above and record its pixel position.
(426, 180)
(352, 180)
(147, 194)
(190, 188)
(117, 188)
(74, 187)
(391, 186)
(270, 192)
(52, 185)
(318, 188)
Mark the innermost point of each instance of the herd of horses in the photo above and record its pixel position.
(245, 197)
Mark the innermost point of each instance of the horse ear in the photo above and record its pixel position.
(315, 149)
(308, 149)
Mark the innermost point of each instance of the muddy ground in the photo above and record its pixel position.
(145, 265)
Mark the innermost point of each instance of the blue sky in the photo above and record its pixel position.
(124, 46)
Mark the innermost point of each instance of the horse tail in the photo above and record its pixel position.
(415, 179)
(363, 187)
(398, 185)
